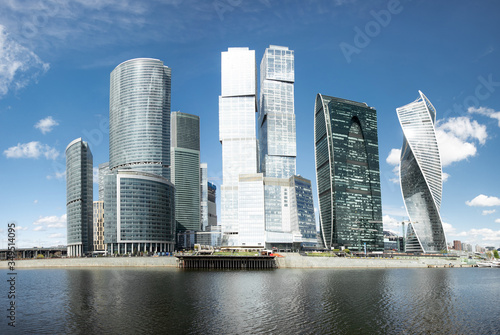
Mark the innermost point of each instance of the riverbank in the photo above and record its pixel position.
(290, 260)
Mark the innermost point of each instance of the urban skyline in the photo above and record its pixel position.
(61, 91)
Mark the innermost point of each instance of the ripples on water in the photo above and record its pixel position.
(284, 301)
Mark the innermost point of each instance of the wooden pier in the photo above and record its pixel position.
(226, 262)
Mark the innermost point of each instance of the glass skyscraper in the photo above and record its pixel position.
(185, 156)
(237, 108)
(277, 142)
(79, 197)
(420, 173)
(347, 174)
(139, 199)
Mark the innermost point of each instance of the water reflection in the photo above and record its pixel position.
(284, 301)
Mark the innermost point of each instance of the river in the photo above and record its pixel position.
(282, 301)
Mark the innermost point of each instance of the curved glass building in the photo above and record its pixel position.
(139, 117)
(139, 199)
(79, 198)
(347, 174)
(420, 175)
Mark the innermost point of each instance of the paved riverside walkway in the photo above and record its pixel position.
(290, 260)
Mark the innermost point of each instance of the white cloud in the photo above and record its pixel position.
(484, 201)
(46, 125)
(36, 201)
(489, 112)
(497, 220)
(392, 224)
(457, 138)
(487, 212)
(18, 65)
(394, 156)
(56, 235)
(448, 228)
(53, 221)
(32, 149)
(95, 176)
(39, 228)
(21, 228)
(57, 175)
(445, 176)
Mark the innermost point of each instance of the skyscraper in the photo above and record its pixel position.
(185, 157)
(277, 142)
(237, 108)
(103, 171)
(347, 174)
(98, 236)
(139, 199)
(420, 174)
(203, 196)
(79, 197)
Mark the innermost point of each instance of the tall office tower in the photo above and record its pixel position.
(277, 142)
(420, 173)
(203, 196)
(185, 157)
(79, 197)
(237, 108)
(212, 205)
(98, 236)
(302, 215)
(138, 196)
(139, 117)
(347, 174)
(103, 171)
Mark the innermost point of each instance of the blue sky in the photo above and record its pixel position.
(56, 57)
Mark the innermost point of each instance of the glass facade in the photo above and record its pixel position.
(141, 210)
(185, 155)
(204, 196)
(420, 173)
(139, 117)
(103, 170)
(277, 139)
(212, 205)
(347, 174)
(139, 200)
(237, 108)
(251, 210)
(302, 210)
(79, 198)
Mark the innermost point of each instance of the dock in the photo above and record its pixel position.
(226, 262)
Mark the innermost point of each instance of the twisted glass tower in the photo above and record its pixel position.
(420, 175)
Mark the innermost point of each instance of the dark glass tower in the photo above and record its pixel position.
(79, 198)
(347, 174)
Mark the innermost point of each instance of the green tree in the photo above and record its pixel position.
(495, 254)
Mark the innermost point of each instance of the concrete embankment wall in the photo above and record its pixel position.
(93, 262)
(290, 260)
(297, 261)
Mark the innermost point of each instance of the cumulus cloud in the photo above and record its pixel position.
(488, 212)
(483, 201)
(21, 228)
(393, 158)
(46, 125)
(497, 220)
(444, 176)
(457, 138)
(56, 235)
(53, 221)
(39, 228)
(489, 112)
(448, 228)
(18, 65)
(32, 149)
(391, 224)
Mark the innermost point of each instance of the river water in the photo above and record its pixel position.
(281, 301)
